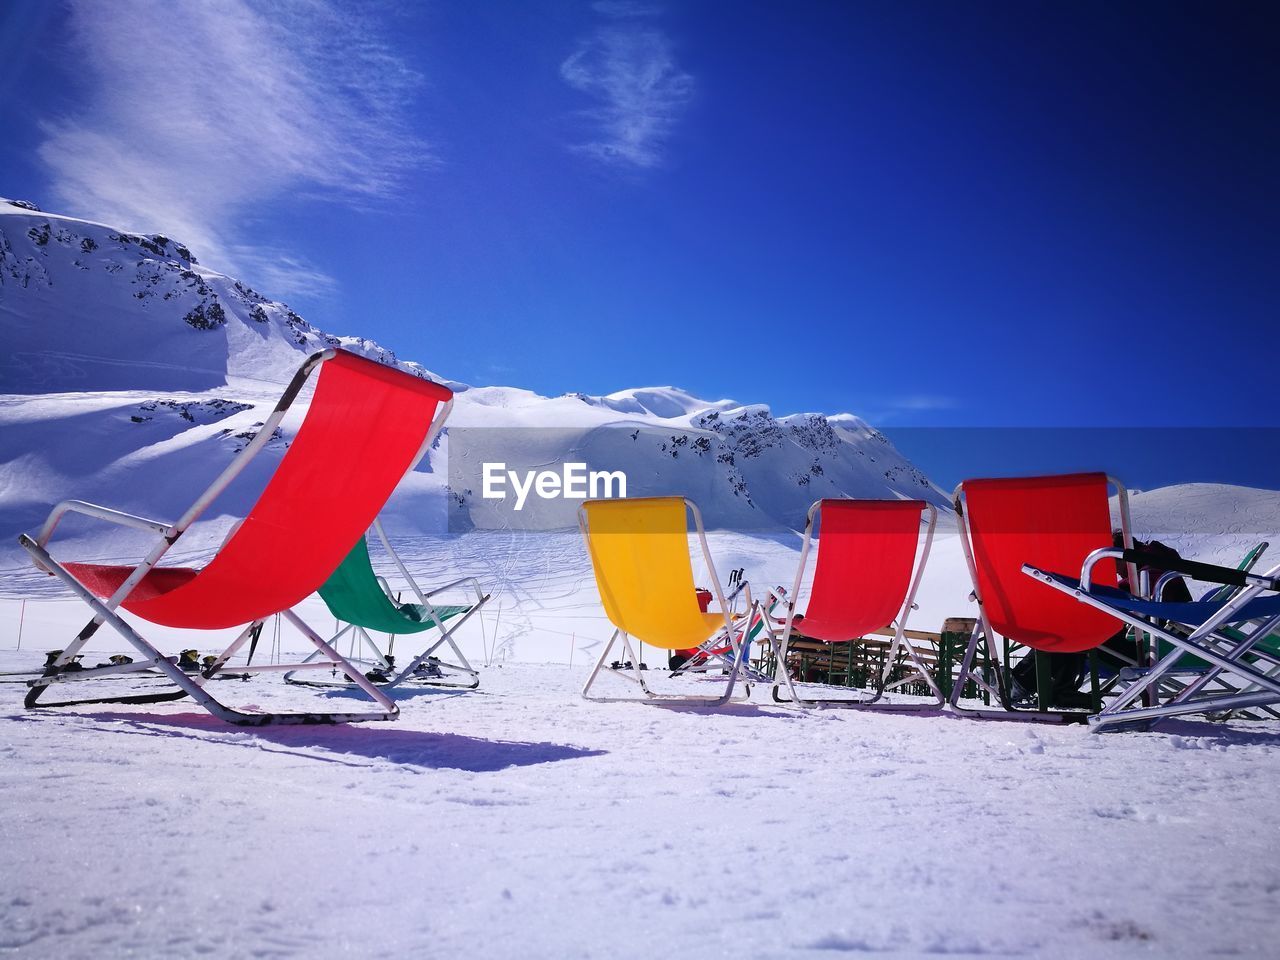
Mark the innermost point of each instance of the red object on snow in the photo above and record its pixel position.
(866, 552)
(366, 424)
(1052, 523)
(704, 601)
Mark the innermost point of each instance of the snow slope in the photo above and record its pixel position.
(134, 373)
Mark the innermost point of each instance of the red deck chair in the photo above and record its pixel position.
(367, 426)
(862, 581)
(1053, 523)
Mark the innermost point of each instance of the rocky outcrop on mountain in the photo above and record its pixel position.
(91, 311)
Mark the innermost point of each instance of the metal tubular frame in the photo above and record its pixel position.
(899, 644)
(105, 611)
(733, 633)
(1175, 679)
(1204, 642)
(379, 658)
(982, 628)
(711, 654)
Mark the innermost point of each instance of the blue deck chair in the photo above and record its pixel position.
(1234, 635)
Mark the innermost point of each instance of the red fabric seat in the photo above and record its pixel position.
(1052, 523)
(103, 581)
(866, 552)
(366, 424)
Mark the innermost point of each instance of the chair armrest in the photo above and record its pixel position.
(474, 584)
(731, 598)
(99, 513)
(773, 596)
(386, 588)
(1207, 572)
(1166, 578)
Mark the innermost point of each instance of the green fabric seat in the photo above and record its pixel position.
(354, 595)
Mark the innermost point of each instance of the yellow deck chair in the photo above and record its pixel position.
(639, 550)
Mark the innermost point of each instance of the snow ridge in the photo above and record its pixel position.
(124, 348)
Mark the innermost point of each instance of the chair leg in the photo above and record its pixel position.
(635, 664)
(595, 671)
(53, 674)
(1264, 689)
(315, 656)
(445, 639)
(780, 657)
(638, 678)
(193, 685)
(68, 653)
(222, 658)
(967, 673)
(900, 641)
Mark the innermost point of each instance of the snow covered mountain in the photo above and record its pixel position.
(133, 372)
(87, 308)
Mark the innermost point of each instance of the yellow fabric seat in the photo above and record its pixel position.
(640, 556)
(640, 553)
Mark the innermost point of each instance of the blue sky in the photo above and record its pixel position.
(931, 214)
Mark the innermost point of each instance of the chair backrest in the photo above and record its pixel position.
(866, 553)
(640, 554)
(366, 425)
(1248, 563)
(354, 595)
(1052, 523)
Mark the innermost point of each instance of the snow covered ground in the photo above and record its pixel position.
(521, 821)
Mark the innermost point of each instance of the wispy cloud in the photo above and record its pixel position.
(907, 408)
(196, 112)
(627, 65)
(923, 402)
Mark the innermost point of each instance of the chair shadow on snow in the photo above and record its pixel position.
(340, 743)
(1214, 734)
(763, 711)
(402, 693)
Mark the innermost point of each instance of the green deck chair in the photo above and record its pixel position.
(361, 599)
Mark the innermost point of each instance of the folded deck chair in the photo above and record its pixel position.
(862, 581)
(1234, 633)
(1225, 592)
(639, 551)
(1116, 666)
(1189, 664)
(361, 599)
(1054, 523)
(718, 653)
(366, 427)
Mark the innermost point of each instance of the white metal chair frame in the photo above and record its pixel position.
(734, 632)
(1224, 653)
(899, 645)
(1174, 678)
(380, 659)
(193, 685)
(982, 628)
(710, 654)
